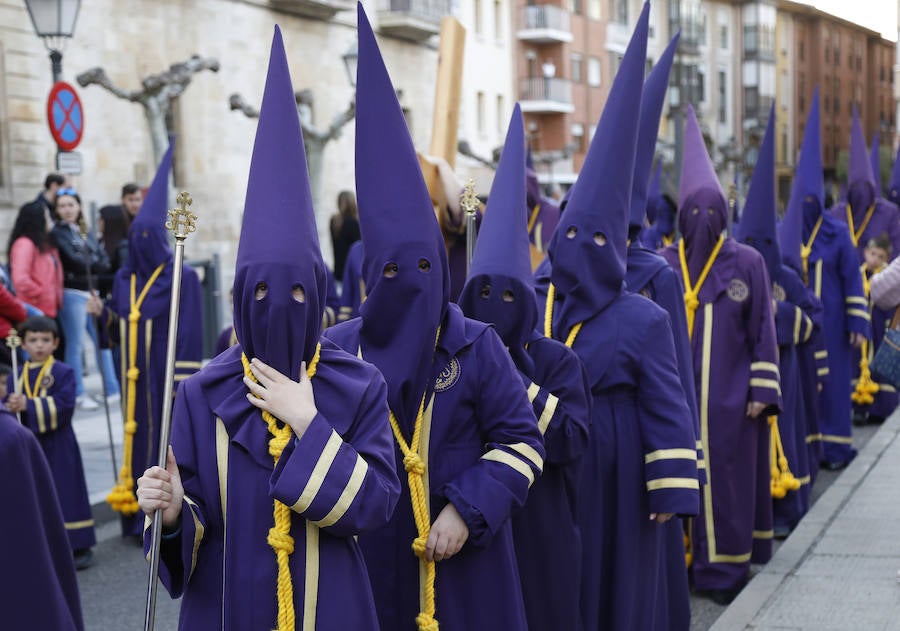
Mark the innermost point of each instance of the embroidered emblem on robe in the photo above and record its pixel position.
(46, 382)
(778, 292)
(448, 377)
(738, 290)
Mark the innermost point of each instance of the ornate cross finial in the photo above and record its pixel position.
(181, 220)
(13, 340)
(468, 199)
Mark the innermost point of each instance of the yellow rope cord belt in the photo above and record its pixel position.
(280, 538)
(866, 388)
(691, 293)
(534, 216)
(856, 234)
(806, 248)
(45, 368)
(122, 498)
(548, 319)
(667, 240)
(415, 469)
(782, 478)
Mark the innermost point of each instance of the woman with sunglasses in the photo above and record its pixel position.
(83, 259)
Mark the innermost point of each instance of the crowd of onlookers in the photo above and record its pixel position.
(55, 263)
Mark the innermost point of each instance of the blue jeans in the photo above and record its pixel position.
(75, 322)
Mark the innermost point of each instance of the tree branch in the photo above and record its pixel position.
(98, 76)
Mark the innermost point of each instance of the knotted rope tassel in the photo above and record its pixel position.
(692, 292)
(866, 388)
(121, 498)
(415, 469)
(279, 537)
(783, 480)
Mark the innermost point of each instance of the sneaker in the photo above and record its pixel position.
(84, 558)
(114, 398)
(85, 402)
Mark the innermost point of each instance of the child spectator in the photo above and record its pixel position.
(46, 403)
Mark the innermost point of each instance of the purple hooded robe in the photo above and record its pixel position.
(642, 456)
(735, 356)
(338, 478)
(499, 292)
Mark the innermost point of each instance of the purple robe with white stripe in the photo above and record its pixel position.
(735, 362)
(483, 451)
(338, 479)
(49, 416)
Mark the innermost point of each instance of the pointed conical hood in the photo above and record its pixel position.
(588, 248)
(807, 198)
(702, 208)
(860, 179)
(652, 100)
(757, 226)
(279, 247)
(148, 240)
(875, 161)
(404, 262)
(893, 193)
(499, 287)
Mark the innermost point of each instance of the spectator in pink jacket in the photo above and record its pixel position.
(34, 265)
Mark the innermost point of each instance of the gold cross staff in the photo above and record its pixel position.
(182, 221)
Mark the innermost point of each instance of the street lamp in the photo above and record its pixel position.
(54, 22)
(351, 58)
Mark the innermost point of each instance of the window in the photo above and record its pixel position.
(578, 137)
(531, 56)
(723, 36)
(501, 115)
(480, 111)
(575, 6)
(593, 72)
(594, 10)
(615, 59)
(701, 86)
(801, 50)
(498, 20)
(618, 11)
(723, 97)
(576, 68)
(477, 16)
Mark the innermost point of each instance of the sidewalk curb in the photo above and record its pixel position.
(757, 595)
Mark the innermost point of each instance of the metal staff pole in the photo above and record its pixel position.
(13, 341)
(469, 203)
(181, 222)
(109, 431)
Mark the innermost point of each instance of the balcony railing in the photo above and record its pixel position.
(546, 95)
(412, 19)
(318, 9)
(544, 24)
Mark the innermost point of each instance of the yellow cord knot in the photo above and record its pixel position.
(866, 388)
(690, 300)
(131, 427)
(412, 462)
(280, 541)
(134, 316)
(426, 622)
(133, 374)
(418, 546)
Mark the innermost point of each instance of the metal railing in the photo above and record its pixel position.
(545, 16)
(430, 10)
(546, 89)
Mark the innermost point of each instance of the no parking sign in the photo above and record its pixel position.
(65, 116)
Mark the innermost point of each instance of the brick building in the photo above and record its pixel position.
(851, 65)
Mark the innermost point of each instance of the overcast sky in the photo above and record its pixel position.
(878, 15)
